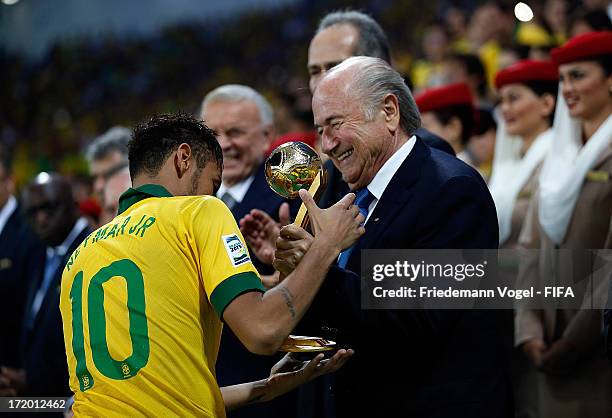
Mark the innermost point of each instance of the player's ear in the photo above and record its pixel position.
(182, 159)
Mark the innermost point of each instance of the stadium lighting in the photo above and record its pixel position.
(523, 12)
(9, 2)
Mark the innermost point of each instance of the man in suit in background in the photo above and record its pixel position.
(51, 209)
(17, 243)
(244, 122)
(445, 363)
(107, 157)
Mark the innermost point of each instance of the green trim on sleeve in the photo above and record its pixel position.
(232, 287)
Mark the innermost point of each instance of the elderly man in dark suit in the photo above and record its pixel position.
(244, 122)
(441, 363)
(51, 209)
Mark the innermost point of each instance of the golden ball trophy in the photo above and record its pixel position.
(291, 167)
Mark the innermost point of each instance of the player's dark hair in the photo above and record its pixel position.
(466, 116)
(154, 140)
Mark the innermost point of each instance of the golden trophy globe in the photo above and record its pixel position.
(291, 167)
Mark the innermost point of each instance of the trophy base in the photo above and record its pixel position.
(307, 348)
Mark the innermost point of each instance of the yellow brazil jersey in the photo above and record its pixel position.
(141, 301)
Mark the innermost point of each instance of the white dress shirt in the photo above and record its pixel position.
(238, 190)
(7, 210)
(381, 180)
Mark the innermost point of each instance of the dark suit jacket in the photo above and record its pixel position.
(337, 188)
(43, 350)
(607, 324)
(235, 364)
(17, 244)
(425, 363)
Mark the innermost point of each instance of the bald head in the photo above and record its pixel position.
(50, 207)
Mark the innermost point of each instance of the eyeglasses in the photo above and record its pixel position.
(112, 171)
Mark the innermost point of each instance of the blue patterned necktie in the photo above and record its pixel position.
(363, 201)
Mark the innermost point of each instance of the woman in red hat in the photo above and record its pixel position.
(573, 210)
(528, 91)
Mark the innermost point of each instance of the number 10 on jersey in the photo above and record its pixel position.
(139, 333)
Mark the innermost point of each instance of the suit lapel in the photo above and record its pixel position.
(52, 290)
(258, 196)
(392, 204)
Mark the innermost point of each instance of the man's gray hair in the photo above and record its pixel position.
(372, 40)
(114, 140)
(237, 93)
(373, 81)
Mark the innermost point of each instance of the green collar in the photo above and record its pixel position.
(131, 196)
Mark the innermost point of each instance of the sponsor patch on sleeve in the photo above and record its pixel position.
(236, 250)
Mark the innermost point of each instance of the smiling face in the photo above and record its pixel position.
(524, 112)
(242, 136)
(586, 89)
(358, 147)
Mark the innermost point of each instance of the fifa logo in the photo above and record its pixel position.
(125, 369)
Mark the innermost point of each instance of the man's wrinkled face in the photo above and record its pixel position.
(357, 146)
(243, 137)
(329, 48)
(103, 169)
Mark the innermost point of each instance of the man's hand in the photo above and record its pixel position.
(261, 231)
(560, 358)
(534, 350)
(340, 225)
(12, 381)
(290, 373)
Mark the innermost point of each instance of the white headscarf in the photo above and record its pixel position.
(511, 171)
(565, 169)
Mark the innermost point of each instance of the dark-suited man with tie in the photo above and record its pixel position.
(437, 363)
(52, 211)
(17, 242)
(244, 122)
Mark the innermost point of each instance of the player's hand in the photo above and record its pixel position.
(291, 246)
(290, 373)
(260, 231)
(534, 350)
(560, 358)
(340, 226)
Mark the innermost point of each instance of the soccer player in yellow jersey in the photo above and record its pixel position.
(144, 296)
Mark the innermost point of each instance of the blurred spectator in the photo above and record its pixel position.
(50, 207)
(555, 17)
(481, 145)
(427, 71)
(455, 19)
(108, 160)
(17, 245)
(448, 112)
(107, 156)
(584, 20)
(467, 68)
